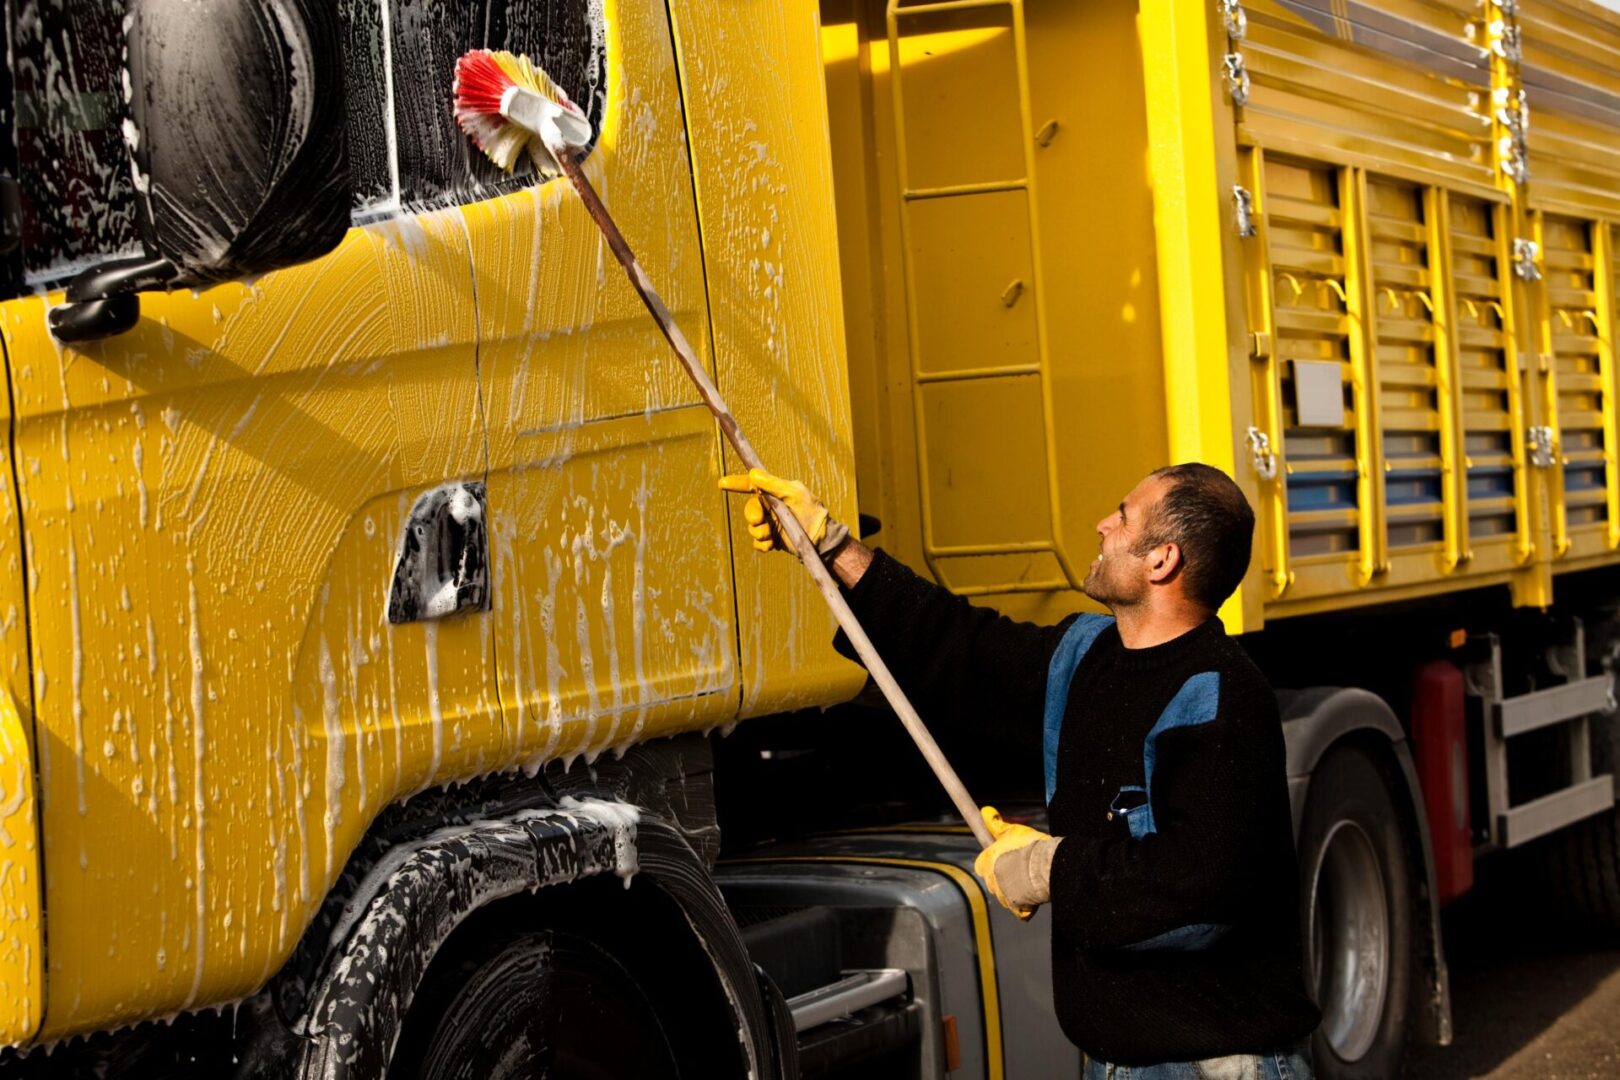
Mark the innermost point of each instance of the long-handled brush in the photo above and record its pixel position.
(508, 106)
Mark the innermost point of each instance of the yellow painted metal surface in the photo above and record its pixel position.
(1383, 146)
(1003, 307)
(756, 122)
(212, 504)
(613, 611)
(1191, 159)
(1570, 78)
(1381, 149)
(22, 954)
(22, 917)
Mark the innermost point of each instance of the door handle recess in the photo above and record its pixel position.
(443, 563)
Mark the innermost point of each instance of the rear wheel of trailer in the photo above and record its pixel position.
(1359, 913)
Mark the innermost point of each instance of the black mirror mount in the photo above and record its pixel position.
(102, 301)
(238, 149)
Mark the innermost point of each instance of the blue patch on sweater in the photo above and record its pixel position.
(1192, 938)
(1077, 641)
(1197, 702)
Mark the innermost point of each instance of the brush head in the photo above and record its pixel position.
(509, 107)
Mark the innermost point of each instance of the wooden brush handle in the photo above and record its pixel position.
(808, 555)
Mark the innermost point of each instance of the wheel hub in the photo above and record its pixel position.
(1349, 963)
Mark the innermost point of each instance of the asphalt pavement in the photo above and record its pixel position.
(1530, 996)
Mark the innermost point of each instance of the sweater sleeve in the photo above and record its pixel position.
(958, 663)
(1213, 792)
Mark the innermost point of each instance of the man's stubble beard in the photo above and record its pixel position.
(1098, 586)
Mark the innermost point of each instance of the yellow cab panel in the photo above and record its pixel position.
(226, 686)
(212, 504)
(614, 619)
(757, 124)
(22, 954)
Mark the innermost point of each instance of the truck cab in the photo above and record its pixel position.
(371, 622)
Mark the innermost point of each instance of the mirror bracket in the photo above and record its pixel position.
(103, 300)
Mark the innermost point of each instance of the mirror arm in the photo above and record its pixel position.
(103, 300)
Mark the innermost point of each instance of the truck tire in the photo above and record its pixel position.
(546, 1003)
(1584, 863)
(1359, 913)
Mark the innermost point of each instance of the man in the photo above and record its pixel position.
(1170, 868)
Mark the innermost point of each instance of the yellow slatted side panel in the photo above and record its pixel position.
(1386, 237)
(1304, 242)
(1584, 398)
(1408, 373)
(1571, 75)
(1396, 85)
(1488, 385)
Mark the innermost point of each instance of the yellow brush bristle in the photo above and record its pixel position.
(507, 145)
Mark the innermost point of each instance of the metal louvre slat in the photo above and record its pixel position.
(1395, 82)
(1571, 73)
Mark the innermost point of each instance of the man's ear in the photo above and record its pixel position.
(1165, 562)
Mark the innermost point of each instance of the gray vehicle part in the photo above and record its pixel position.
(1314, 720)
(908, 899)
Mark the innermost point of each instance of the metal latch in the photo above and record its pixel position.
(1237, 21)
(1243, 207)
(1265, 462)
(1526, 259)
(1237, 78)
(1539, 445)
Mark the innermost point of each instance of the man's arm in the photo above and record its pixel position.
(957, 662)
(849, 562)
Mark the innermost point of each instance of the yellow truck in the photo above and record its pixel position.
(369, 602)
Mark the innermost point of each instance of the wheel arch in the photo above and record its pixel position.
(448, 858)
(1316, 721)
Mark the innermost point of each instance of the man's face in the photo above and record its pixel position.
(1118, 578)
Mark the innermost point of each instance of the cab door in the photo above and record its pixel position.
(212, 505)
(612, 592)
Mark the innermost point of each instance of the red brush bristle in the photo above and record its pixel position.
(480, 83)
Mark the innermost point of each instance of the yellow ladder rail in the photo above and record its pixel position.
(933, 550)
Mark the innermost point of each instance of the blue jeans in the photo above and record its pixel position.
(1287, 1063)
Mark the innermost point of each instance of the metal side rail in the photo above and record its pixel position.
(856, 990)
(1569, 704)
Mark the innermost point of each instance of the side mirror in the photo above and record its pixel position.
(238, 149)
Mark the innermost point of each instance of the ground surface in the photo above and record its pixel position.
(1530, 999)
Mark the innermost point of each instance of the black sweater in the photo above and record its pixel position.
(1223, 852)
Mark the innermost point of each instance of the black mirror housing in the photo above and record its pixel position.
(237, 144)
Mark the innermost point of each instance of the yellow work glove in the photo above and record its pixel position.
(825, 532)
(1006, 865)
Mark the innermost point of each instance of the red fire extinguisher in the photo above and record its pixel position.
(1440, 743)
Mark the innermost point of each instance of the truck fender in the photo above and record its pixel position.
(1315, 720)
(430, 863)
(415, 897)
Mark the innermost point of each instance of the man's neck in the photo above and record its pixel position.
(1144, 626)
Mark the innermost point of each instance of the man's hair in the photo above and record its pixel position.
(1206, 514)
